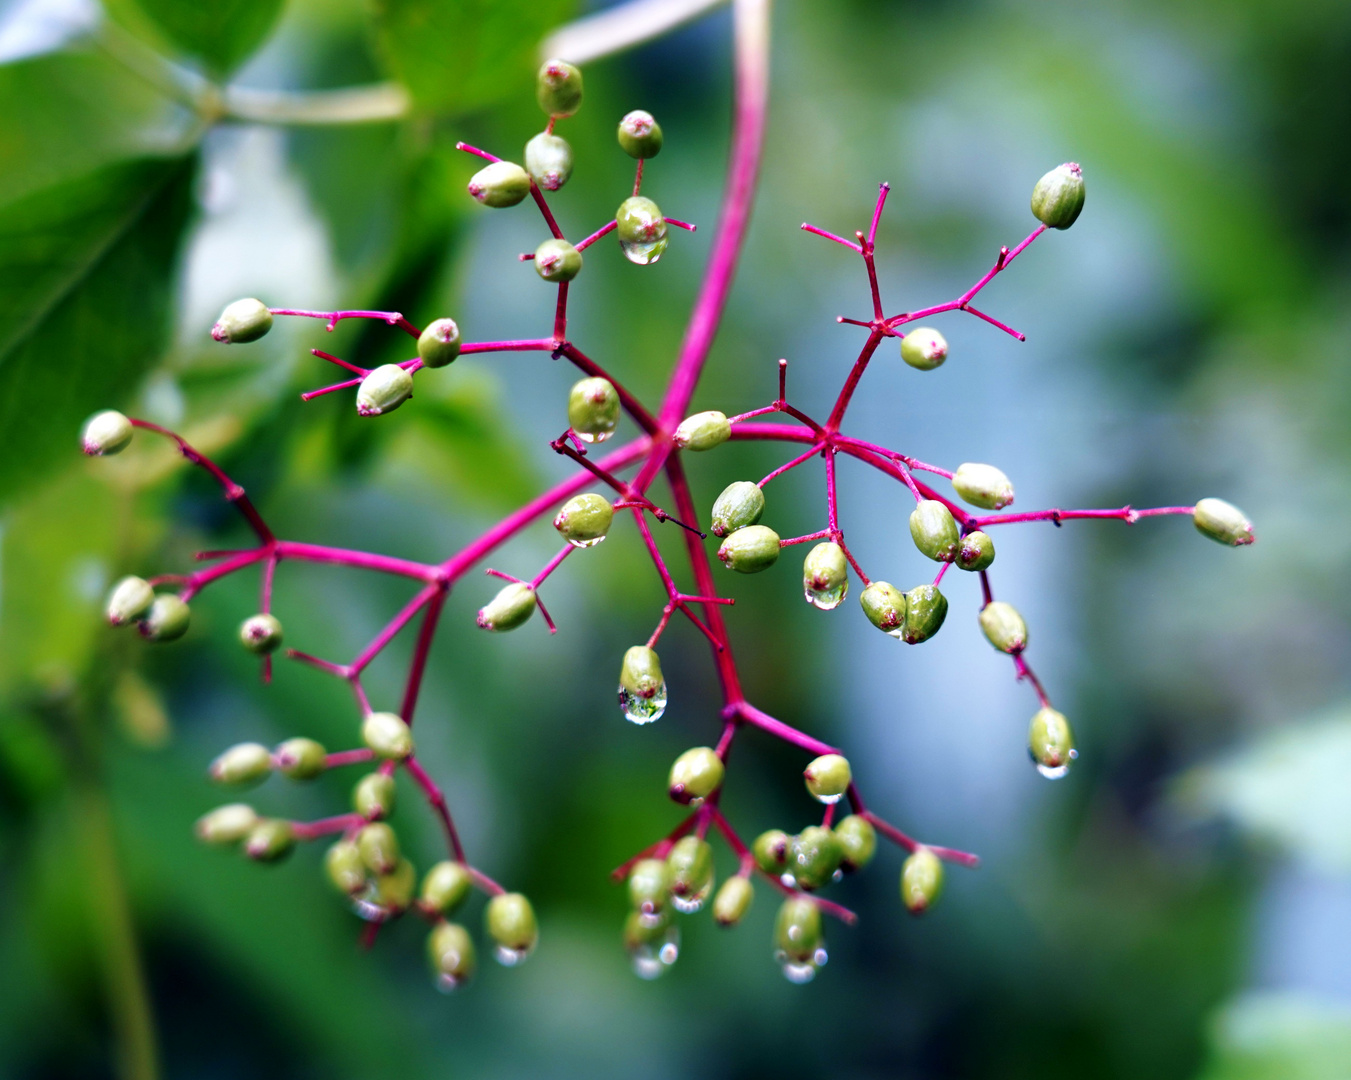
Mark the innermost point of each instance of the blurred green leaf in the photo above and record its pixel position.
(1280, 1037)
(221, 33)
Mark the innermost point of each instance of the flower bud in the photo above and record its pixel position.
(858, 842)
(244, 765)
(1059, 196)
(511, 607)
(797, 929)
(813, 857)
(548, 158)
(511, 923)
(593, 409)
(301, 759)
(702, 431)
(452, 953)
(921, 880)
(270, 840)
(1004, 627)
(740, 504)
(733, 901)
(691, 864)
(976, 551)
(379, 847)
(439, 344)
(640, 135)
(1223, 522)
(446, 886)
(1051, 743)
(242, 321)
(373, 796)
(771, 851)
(107, 432)
(388, 735)
(226, 824)
(384, 390)
(557, 261)
(924, 348)
(167, 619)
(642, 690)
(585, 519)
(394, 891)
(884, 604)
(934, 530)
(649, 885)
(696, 774)
(825, 576)
(642, 230)
(925, 610)
(750, 550)
(500, 184)
(558, 88)
(983, 485)
(260, 634)
(643, 932)
(828, 777)
(345, 868)
(129, 600)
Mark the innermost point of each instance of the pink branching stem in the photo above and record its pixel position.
(870, 263)
(910, 483)
(686, 225)
(638, 177)
(543, 205)
(832, 236)
(315, 662)
(363, 372)
(779, 729)
(420, 653)
(851, 383)
(941, 571)
(915, 464)
(1001, 263)
(753, 413)
(1126, 514)
(310, 395)
(909, 844)
(476, 151)
(987, 594)
(348, 757)
(604, 230)
(436, 797)
(883, 190)
(995, 322)
(821, 535)
(657, 850)
(839, 539)
(269, 572)
(526, 345)
(552, 565)
(312, 830)
(832, 497)
(402, 619)
(791, 464)
(393, 318)
(561, 314)
(194, 583)
(1024, 672)
(364, 560)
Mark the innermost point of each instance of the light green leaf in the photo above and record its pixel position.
(221, 33)
(1280, 1037)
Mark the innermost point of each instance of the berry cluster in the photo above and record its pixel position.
(676, 873)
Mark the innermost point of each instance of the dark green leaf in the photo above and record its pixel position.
(221, 33)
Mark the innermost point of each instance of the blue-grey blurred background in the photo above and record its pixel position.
(1179, 907)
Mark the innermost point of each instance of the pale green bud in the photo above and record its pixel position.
(226, 824)
(858, 841)
(921, 880)
(394, 890)
(691, 864)
(733, 901)
(740, 504)
(813, 857)
(593, 409)
(585, 519)
(129, 600)
(244, 765)
(511, 607)
(1004, 627)
(771, 851)
(1223, 522)
(828, 777)
(557, 261)
(925, 610)
(373, 796)
(511, 923)
(1059, 196)
(107, 432)
(384, 390)
(825, 575)
(260, 634)
(558, 88)
(301, 758)
(1051, 743)
(649, 885)
(167, 619)
(884, 604)
(500, 184)
(242, 321)
(640, 135)
(640, 674)
(797, 929)
(640, 221)
(975, 552)
(269, 840)
(452, 954)
(379, 847)
(439, 344)
(388, 735)
(750, 550)
(983, 485)
(934, 530)
(924, 348)
(702, 431)
(695, 774)
(446, 886)
(548, 158)
(345, 868)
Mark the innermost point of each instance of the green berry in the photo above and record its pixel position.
(924, 348)
(797, 929)
(394, 891)
(750, 550)
(388, 735)
(1223, 522)
(439, 344)
(593, 409)
(373, 796)
(640, 674)
(884, 604)
(558, 88)
(649, 885)
(640, 221)
(976, 551)
(243, 765)
(226, 824)
(858, 841)
(1059, 196)
(107, 432)
(446, 886)
(269, 840)
(813, 857)
(702, 431)
(585, 519)
(500, 184)
(511, 607)
(934, 530)
(452, 954)
(300, 758)
(510, 921)
(260, 634)
(828, 777)
(1051, 743)
(384, 390)
(771, 851)
(557, 261)
(241, 322)
(733, 901)
(983, 485)
(640, 135)
(379, 847)
(921, 880)
(825, 575)
(925, 610)
(1004, 627)
(548, 158)
(129, 600)
(345, 867)
(643, 931)
(167, 619)
(740, 504)
(691, 864)
(695, 774)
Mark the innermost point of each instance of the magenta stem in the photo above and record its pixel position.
(779, 729)
(437, 798)
(602, 231)
(348, 757)
(792, 464)
(552, 565)
(371, 651)
(393, 318)
(1126, 514)
(832, 236)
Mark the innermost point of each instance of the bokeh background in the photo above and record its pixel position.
(1179, 907)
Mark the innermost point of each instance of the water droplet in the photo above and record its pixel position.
(837, 877)
(365, 907)
(1058, 771)
(644, 254)
(827, 599)
(586, 543)
(643, 710)
(828, 799)
(654, 957)
(688, 905)
(787, 880)
(798, 971)
(448, 984)
(508, 957)
(593, 437)
(820, 957)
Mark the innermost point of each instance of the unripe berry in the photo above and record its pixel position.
(640, 135)
(439, 344)
(345, 867)
(1051, 743)
(226, 824)
(771, 851)
(388, 735)
(813, 857)
(884, 604)
(300, 758)
(925, 610)
(510, 921)
(1059, 196)
(585, 519)
(983, 485)
(858, 842)
(243, 765)
(384, 390)
(167, 619)
(649, 886)
(642, 690)
(733, 901)
(825, 576)
(129, 600)
(511, 607)
(260, 634)
(750, 550)
(548, 158)
(924, 348)
(797, 929)
(242, 321)
(446, 886)
(373, 796)
(500, 184)
(557, 261)
(1004, 627)
(921, 880)
(452, 954)
(1223, 522)
(976, 551)
(691, 864)
(642, 230)
(702, 431)
(740, 504)
(107, 432)
(828, 777)
(379, 847)
(558, 88)
(695, 774)
(270, 840)
(934, 530)
(642, 932)
(593, 409)
(394, 891)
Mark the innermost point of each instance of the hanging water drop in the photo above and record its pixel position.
(643, 710)
(509, 957)
(643, 253)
